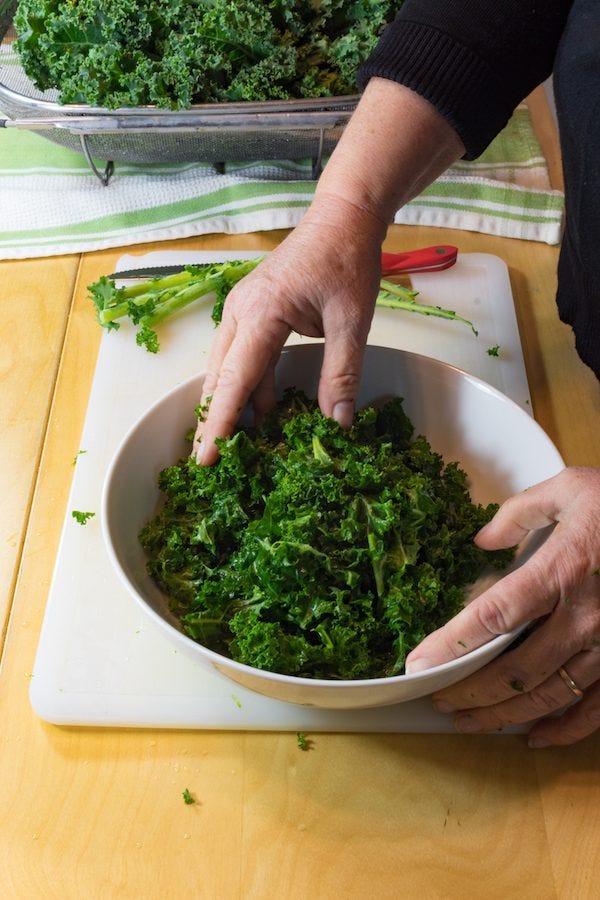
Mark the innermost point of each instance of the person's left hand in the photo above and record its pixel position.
(557, 667)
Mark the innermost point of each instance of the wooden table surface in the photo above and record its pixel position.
(98, 813)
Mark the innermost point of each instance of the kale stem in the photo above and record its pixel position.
(395, 296)
(156, 284)
(376, 563)
(138, 294)
(397, 289)
(179, 300)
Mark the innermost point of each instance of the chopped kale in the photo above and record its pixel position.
(315, 551)
(187, 797)
(301, 741)
(82, 517)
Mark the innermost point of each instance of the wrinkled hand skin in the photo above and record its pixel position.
(321, 281)
(558, 588)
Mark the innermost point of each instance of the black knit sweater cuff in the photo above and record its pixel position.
(454, 79)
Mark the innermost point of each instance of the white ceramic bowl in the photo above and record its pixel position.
(499, 445)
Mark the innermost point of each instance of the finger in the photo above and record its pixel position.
(341, 369)
(579, 721)
(241, 370)
(263, 397)
(223, 339)
(532, 509)
(570, 628)
(548, 698)
(516, 599)
(218, 351)
(525, 594)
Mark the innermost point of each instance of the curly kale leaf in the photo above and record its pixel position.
(122, 53)
(314, 551)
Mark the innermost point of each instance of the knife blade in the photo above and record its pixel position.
(149, 272)
(426, 259)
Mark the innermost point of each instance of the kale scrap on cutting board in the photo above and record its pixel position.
(313, 551)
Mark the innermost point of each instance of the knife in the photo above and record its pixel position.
(427, 259)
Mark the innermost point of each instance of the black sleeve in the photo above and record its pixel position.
(474, 60)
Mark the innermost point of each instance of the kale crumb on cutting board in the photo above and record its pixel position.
(302, 742)
(314, 551)
(81, 517)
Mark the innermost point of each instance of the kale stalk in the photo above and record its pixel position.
(148, 303)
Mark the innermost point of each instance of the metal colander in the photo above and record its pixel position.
(210, 133)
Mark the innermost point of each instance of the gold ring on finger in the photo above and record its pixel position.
(574, 688)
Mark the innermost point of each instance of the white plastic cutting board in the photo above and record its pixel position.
(99, 661)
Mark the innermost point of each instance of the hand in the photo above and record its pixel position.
(559, 589)
(322, 281)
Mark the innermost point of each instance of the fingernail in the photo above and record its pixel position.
(343, 413)
(467, 724)
(536, 743)
(443, 706)
(483, 529)
(417, 665)
(199, 452)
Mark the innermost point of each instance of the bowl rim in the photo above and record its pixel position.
(499, 641)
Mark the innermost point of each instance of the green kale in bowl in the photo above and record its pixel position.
(316, 552)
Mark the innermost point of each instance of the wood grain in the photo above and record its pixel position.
(35, 303)
(101, 812)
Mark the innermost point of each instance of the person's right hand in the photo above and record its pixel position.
(321, 281)
(558, 589)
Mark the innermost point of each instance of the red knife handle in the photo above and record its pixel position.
(428, 259)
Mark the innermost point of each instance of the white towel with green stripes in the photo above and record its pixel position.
(52, 203)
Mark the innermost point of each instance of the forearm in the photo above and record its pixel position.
(474, 60)
(393, 147)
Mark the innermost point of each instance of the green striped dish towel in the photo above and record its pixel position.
(53, 204)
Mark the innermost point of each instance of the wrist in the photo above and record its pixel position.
(335, 211)
(395, 144)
